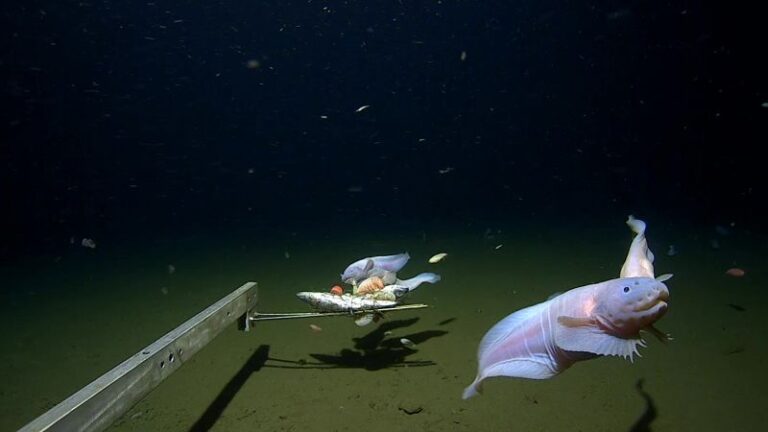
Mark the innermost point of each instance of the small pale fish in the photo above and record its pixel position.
(499, 246)
(408, 343)
(362, 108)
(735, 272)
(436, 258)
(315, 328)
(362, 268)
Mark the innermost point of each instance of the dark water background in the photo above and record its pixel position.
(224, 134)
(143, 119)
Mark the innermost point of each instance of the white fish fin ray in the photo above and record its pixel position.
(665, 277)
(592, 339)
(507, 326)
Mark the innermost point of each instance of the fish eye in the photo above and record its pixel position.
(626, 289)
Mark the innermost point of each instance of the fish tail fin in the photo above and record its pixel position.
(636, 225)
(419, 279)
(473, 389)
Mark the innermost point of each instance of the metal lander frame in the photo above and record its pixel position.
(97, 405)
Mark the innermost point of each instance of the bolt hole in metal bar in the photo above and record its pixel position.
(97, 405)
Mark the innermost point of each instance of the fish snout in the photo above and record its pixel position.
(655, 300)
(663, 293)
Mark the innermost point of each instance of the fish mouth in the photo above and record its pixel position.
(651, 311)
(661, 300)
(657, 302)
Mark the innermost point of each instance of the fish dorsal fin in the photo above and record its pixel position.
(584, 335)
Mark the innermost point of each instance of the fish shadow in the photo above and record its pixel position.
(643, 424)
(374, 351)
(374, 339)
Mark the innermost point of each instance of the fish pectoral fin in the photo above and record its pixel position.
(660, 335)
(368, 266)
(584, 335)
(665, 277)
(575, 322)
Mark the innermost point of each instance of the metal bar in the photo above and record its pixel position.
(256, 316)
(97, 405)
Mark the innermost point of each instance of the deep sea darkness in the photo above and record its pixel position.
(126, 119)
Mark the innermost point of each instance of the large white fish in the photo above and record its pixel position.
(602, 319)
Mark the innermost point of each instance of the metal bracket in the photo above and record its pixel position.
(257, 316)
